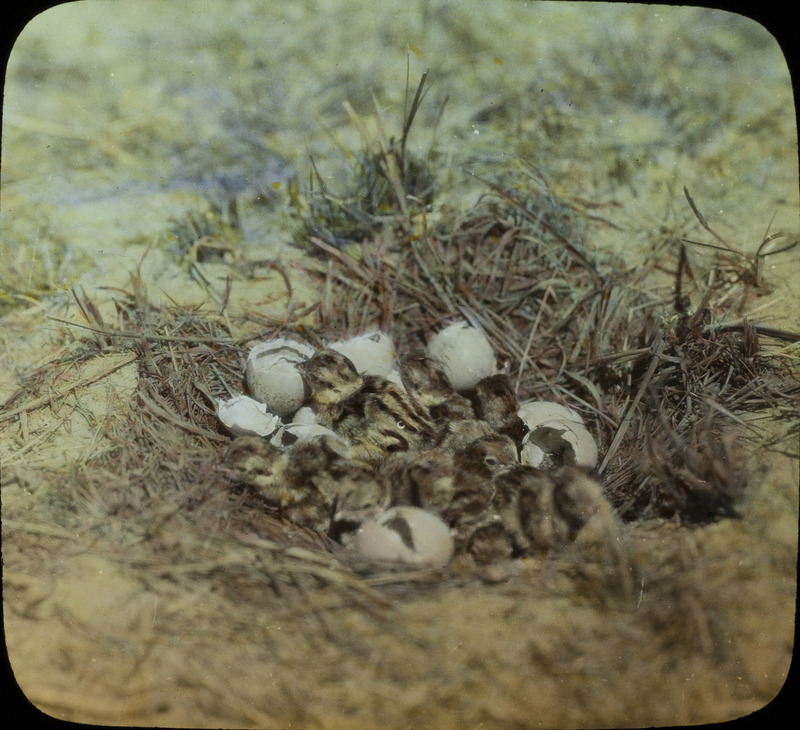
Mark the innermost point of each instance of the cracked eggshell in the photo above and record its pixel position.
(406, 536)
(536, 412)
(559, 443)
(244, 416)
(304, 427)
(304, 416)
(372, 353)
(465, 355)
(272, 375)
(291, 433)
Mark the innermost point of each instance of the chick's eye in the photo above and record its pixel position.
(401, 425)
(491, 461)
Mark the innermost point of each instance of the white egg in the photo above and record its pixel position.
(559, 443)
(536, 412)
(293, 432)
(372, 353)
(406, 536)
(465, 355)
(243, 416)
(272, 376)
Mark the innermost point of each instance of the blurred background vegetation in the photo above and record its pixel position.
(122, 119)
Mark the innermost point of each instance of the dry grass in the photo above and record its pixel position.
(668, 380)
(663, 376)
(661, 383)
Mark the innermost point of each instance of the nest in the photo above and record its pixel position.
(663, 383)
(661, 376)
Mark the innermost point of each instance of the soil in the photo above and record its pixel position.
(128, 127)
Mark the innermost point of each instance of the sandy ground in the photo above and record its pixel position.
(123, 120)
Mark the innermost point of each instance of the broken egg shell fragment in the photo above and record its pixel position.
(272, 376)
(404, 536)
(559, 443)
(291, 433)
(244, 416)
(537, 412)
(303, 427)
(304, 415)
(372, 353)
(465, 354)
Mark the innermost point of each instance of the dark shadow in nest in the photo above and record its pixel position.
(696, 477)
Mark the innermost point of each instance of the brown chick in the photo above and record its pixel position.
(426, 381)
(496, 404)
(314, 484)
(372, 413)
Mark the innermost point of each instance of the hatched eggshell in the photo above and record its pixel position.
(304, 415)
(293, 432)
(532, 455)
(536, 412)
(304, 427)
(272, 375)
(559, 443)
(404, 535)
(465, 355)
(372, 353)
(244, 416)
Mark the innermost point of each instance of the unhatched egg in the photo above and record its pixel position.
(404, 535)
(465, 355)
(272, 375)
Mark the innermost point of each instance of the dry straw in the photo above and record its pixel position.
(667, 384)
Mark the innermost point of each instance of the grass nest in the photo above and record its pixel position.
(158, 498)
(667, 377)
(666, 382)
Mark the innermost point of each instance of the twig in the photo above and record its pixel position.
(705, 225)
(776, 334)
(66, 390)
(146, 337)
